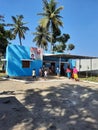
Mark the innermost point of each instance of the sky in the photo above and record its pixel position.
(79, 17)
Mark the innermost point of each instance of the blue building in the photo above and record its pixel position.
(19, 61)
(60, 60)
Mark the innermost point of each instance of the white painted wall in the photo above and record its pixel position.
(87, 64)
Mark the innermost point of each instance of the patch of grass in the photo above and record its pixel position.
(93, 78)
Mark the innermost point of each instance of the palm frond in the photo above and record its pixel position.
(57, 11)
(18, 27)
(44, 22)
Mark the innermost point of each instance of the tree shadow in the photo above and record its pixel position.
(13, 114)
(64, 107)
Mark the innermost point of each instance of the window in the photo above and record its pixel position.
(25, 64)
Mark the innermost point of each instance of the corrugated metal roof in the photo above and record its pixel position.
(69, 56)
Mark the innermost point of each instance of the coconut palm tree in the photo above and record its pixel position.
(18, 27)
(41, 37)
(51, 18)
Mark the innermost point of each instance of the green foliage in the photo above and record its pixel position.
(60, 47)
(42, 37)
(62, 43)
(18, 27)
(51, 19)
(5, 35)
(63, 38)
(70, 47)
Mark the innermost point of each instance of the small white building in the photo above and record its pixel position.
(90, 65)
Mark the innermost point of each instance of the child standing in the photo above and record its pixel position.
(34, 74)
(58, 71)
(45, 74)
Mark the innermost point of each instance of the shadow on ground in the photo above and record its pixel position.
(12, 114)
(64, 107)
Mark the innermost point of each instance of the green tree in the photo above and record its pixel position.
(41, 37)
(70, 47)
(51, 19)
(62, 43)
(19, 28)
(5, 35)
(1, 18)
(59, 47)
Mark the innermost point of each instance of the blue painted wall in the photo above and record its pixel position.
(14, 56)
(72, 62)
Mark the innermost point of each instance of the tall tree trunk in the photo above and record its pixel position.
(20, 40)
(51, 38)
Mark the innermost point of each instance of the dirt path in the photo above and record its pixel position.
(59, 104)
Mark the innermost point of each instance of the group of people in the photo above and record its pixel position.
(42, 73)
(72, 73)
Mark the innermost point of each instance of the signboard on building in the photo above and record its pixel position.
(36, 53)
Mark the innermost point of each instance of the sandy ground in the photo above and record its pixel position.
(54, 104)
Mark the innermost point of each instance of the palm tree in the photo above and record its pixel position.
(41, 37)
(51, 18)
(18, 27)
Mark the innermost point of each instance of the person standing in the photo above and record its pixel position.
(58, 71)
(45, 74)
(75, 73)
(40, 72)
(3, 67)
(68, 71)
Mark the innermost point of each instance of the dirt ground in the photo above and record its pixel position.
(52, 104)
